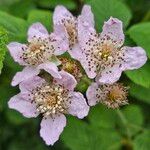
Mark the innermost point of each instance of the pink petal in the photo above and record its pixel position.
(61, 13)
(135, 57)
(91, 94)
(113, 29)
(37, 30)
(51, 128)
(77, 105)
(51, 68)
(31, 83)
(22, 103)
(87, 16)
(110, 75)
(76, 52)
(25, 74)
(60, 38)
(85, 34)
(16, 51)
(67, 80)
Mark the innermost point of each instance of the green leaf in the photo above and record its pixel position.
(142, 142)
(141, 76)
(140, 34)
(106, 118)
(131, 120)
(70, 4)
(97, 133)
(16, 27)
(15, 117)
(23, 8)
(103, 10)
(45, 17)
(3, 41)
(140, 93)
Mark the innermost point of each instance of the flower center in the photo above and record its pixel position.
(37, 52)
(72, 67)
(50, 99)
(72, 32)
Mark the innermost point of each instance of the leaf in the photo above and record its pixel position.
(23, 8)
(70, 4)
(3, 41)
(131, 120)
(92, 134)
(140, 76)
(140, 34)
(15, 117)
(142, 142)
(140, 93)
(45, 17)
(103, 10)
(16, 27)
(106, 118)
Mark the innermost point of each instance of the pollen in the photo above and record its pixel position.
(38, 51)
(71, 66)
(113, 95)
(50, 99)
(71, 28)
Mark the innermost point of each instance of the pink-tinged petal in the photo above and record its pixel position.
(16, 51)
(37, 30)
(31, 83)
(87, 39)
(76, 52)
(51, 68)
(22, 103)
(61, 13)
(89, 66)
(110, 75)
(77, 105)
(91, 94)
(135, 57)
(113, 30)
(25, 74)
(87, 16)
(51, 128)
(60, 38)
(67, 80)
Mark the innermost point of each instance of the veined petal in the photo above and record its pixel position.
(91, 94)
(37, 30)
(87, 16)
(60, 38)
(16, 51)
(25, 74)
(61, 13)
(77, 105)
(109, 75)
(67, 80)
(51, 128)
(113, 30)
(134, 58)
(22, 103)
(31, 83)
(51, 68)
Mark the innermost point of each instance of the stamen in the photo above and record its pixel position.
(38, 51)
(50, 99)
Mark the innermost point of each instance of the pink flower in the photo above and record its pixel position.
(64, 18)
(111, 95)
(52, 100)
(103, 54)
(38, 52)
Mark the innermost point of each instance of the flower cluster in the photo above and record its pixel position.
(49, 78)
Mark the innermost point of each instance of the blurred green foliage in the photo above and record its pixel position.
(104, 129)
